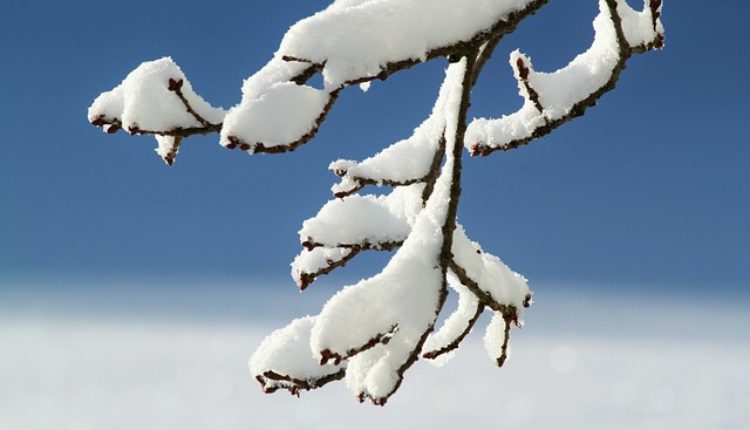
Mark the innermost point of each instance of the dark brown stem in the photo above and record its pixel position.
(327, 355)
(449, 224)
(495, 32)
(260, 147)
(305, 279)
(310, 244)
(171, 155)
(176, 87)
(523, 75)
(431, 355)
(484, 56)
(483, 296)
(428, 179)
(507, 319)
(294, 385)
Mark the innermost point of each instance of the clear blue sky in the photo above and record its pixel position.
(651, 186)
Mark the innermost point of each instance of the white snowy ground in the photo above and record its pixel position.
(175, 358)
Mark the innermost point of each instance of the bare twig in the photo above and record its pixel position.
(269, 381)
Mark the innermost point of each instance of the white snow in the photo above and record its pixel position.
(281, 115)
(346, 186)
(286, 352)
(489, 272)
(377, 324)
(143, 100)
(404, 296)
(365, 219)
(312, 261)
(356, 39)
(638, 25)
(455, 324)
(406, 160)
(276, 71)
(494, 337)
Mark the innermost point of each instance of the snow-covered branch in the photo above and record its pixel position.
(371, 332)
(279, 361)
(311, 46)
(458, 325)
(552, 99)
(319, 261)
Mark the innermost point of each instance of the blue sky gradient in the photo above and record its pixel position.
(651, 186)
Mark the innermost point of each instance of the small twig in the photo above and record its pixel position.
(296, 384)
(176, 87)
(483, 296)
(310, 244)
(523, 75)
(431, 355)
(260, 147)
(307, 278)
(508, 319)
(327, 355)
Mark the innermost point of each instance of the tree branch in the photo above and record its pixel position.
(261, 147)
(579, 108)
(272, 381)
(435, 353)
(483, 296)
(327, 355)
(449, 224)
(310, 244)
(304, 278)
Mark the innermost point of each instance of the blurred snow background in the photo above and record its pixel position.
(159, 355)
